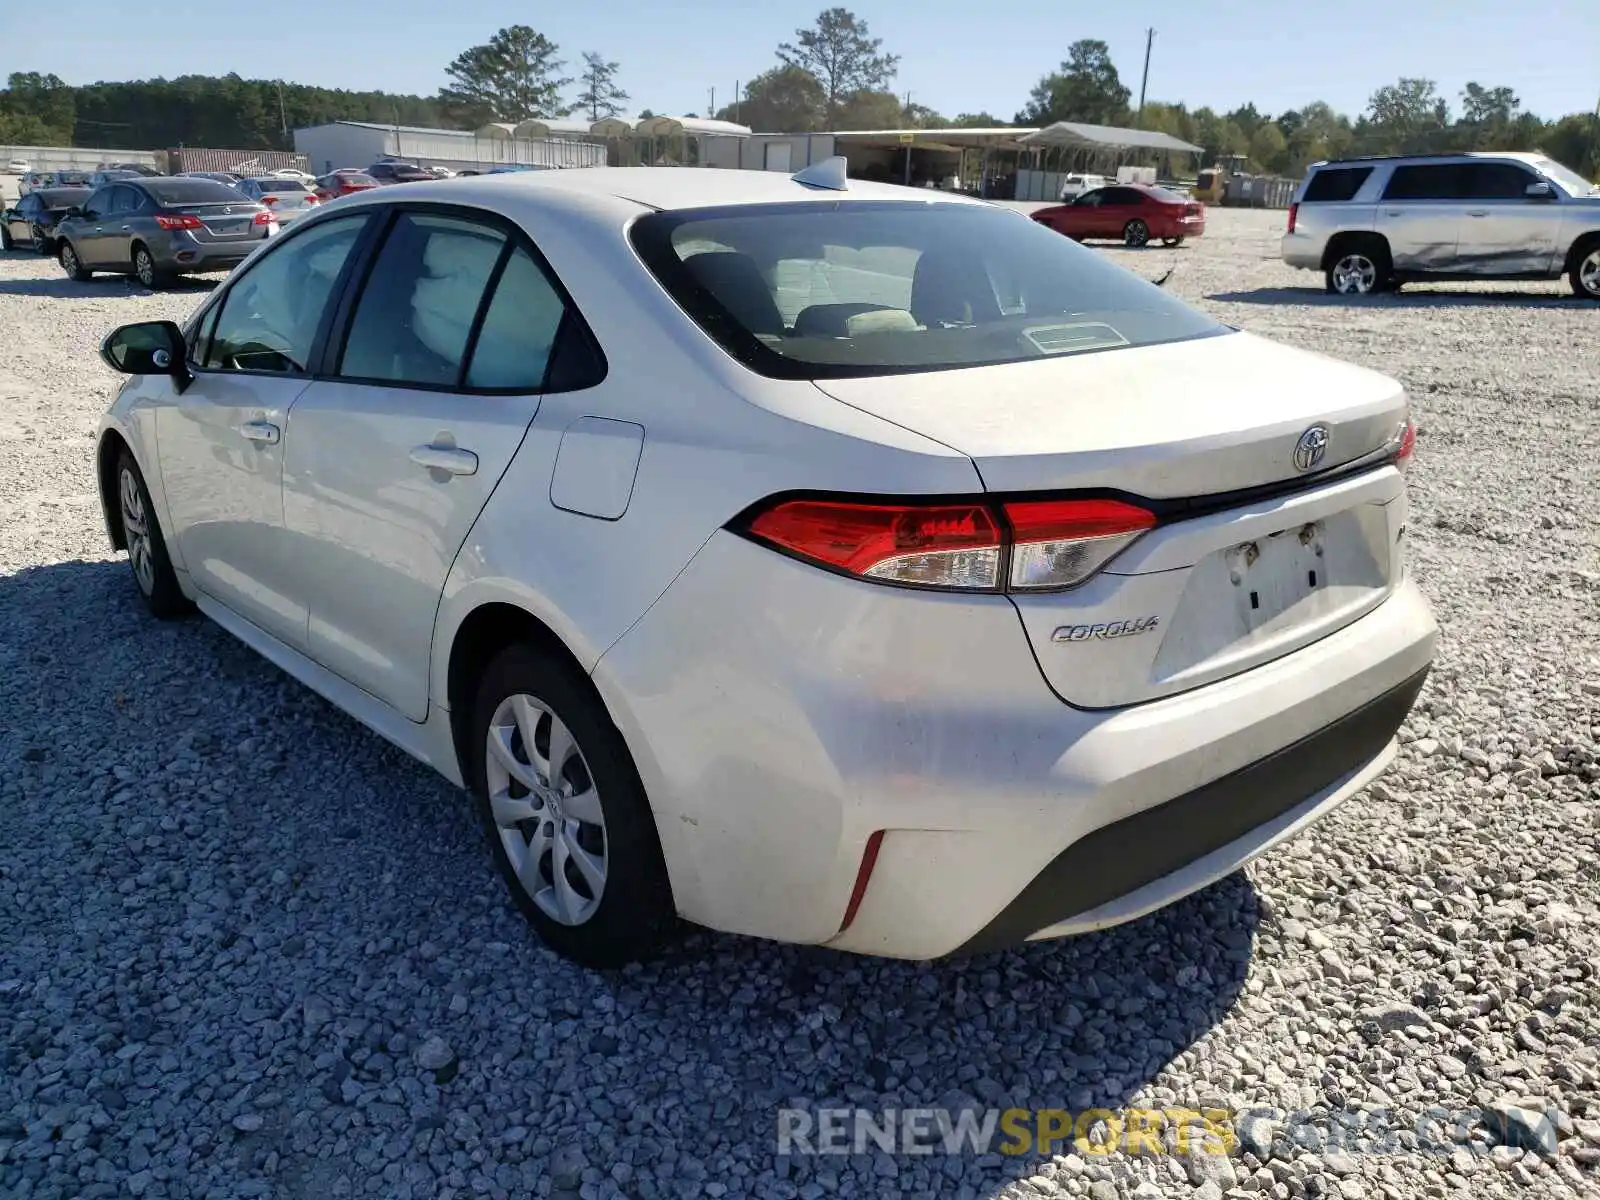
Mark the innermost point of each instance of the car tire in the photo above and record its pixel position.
(1358, 269)
(590, 879)
(5, 237)
(1585, 273)
(1171, 242)
(147, 548)
(42, 242)
(72, 264)
(1136, 234)
(146, 271)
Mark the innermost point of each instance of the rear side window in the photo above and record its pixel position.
(519, 329)
(1435, 181)
(829, 288)
(1336, 184)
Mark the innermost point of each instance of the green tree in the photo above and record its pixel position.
(1269, 149)
(1574, 141)
(1407, 117)
(977, 120)
(37, 108)
(1085, 88)
(785, 99)
(842, 56)
(514, 76)
(601, 97)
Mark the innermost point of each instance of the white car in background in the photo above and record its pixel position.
(17, 166)
(1074, 185)
(805, 558)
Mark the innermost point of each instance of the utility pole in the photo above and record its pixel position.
(283, 116)
(1149, 40)
(712, 111)
(737, 94)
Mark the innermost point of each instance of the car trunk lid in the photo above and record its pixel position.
(219, 222)
(1255, 553)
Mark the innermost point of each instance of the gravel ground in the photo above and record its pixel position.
(247, 949)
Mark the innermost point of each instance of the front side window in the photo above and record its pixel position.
(421, 300)
(97, 205)
(825, 289)
(271, 313)
(1091, 199)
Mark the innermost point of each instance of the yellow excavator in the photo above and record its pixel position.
(1212, 184)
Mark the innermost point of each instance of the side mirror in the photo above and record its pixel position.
(1540, 191)
(146, 348)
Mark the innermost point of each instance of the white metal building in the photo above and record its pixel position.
(360, 144)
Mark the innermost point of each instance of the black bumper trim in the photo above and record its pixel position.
(1122, 857)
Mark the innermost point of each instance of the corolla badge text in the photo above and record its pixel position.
(1104, 629)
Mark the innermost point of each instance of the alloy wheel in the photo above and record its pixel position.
(1589, 273)
(146, 268)
(546, 809)
(69, 260)
(136, 528)
(1355, 275)
(1137, 233)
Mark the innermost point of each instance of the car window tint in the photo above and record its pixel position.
(270, 315)
(1090, 199)
(95, 206)
(519, 328)
(419, 304)
(1498, 181)
(1437, 181)
(1123, 196)
(1335, 185)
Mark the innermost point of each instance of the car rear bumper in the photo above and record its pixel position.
(187, 254)
(1301, 251)
(783, 719)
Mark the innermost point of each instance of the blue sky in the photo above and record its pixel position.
(956, 55)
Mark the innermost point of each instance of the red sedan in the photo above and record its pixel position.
(342, 183)
(1130, 213)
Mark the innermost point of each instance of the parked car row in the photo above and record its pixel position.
(32, 219)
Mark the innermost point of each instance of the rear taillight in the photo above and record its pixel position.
(269, 200)
(181, 221)
(1033, 545)
(1060, 543)
(1408, 445)
(265, 217)
(1294, 211)
(313, 199)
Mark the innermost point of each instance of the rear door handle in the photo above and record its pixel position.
(1396, 212)
(445, 458)
(260, 431)
(1477, 212)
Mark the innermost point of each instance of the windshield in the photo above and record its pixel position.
(190, 190)
(820, 290)
(1570, 181)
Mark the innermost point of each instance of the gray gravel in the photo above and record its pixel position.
(247, 949)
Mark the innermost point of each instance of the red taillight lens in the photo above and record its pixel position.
(1041, 544)
(951, 546)
(183, 221)
(1408, 445)
(264, 217)
(269, 201)
(1294, 211)
(313, 200)
(1061, 543)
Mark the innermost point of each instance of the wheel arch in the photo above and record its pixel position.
(1350, 238)
(110, 451)
(1581, 245)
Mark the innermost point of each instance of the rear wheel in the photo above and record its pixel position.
(568, 821)
(1136, 233)
(1358, 269)
(1585, 275)
(73, 265)
(145, 269)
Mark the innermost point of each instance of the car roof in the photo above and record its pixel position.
(667, 188)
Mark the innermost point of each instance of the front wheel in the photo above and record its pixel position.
(1172, 241)
(569, 824)
(147, 549)
(73, 265)
(1136, 233)
(1585, 274)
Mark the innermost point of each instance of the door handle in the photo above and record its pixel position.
(449, 459)
(1477, 212)
(260, 431)
(126, 228)
(1395, 212)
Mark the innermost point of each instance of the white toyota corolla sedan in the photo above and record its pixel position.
(828, 562)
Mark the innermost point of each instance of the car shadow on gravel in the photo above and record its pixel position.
(203, 860)
(1404, 299)
(101, 287)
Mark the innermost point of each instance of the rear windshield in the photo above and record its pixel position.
(1336, 184)
(191, 191)
(280, 185)
(821, 290)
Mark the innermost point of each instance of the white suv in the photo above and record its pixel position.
(1370, 224)
(753, 561)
